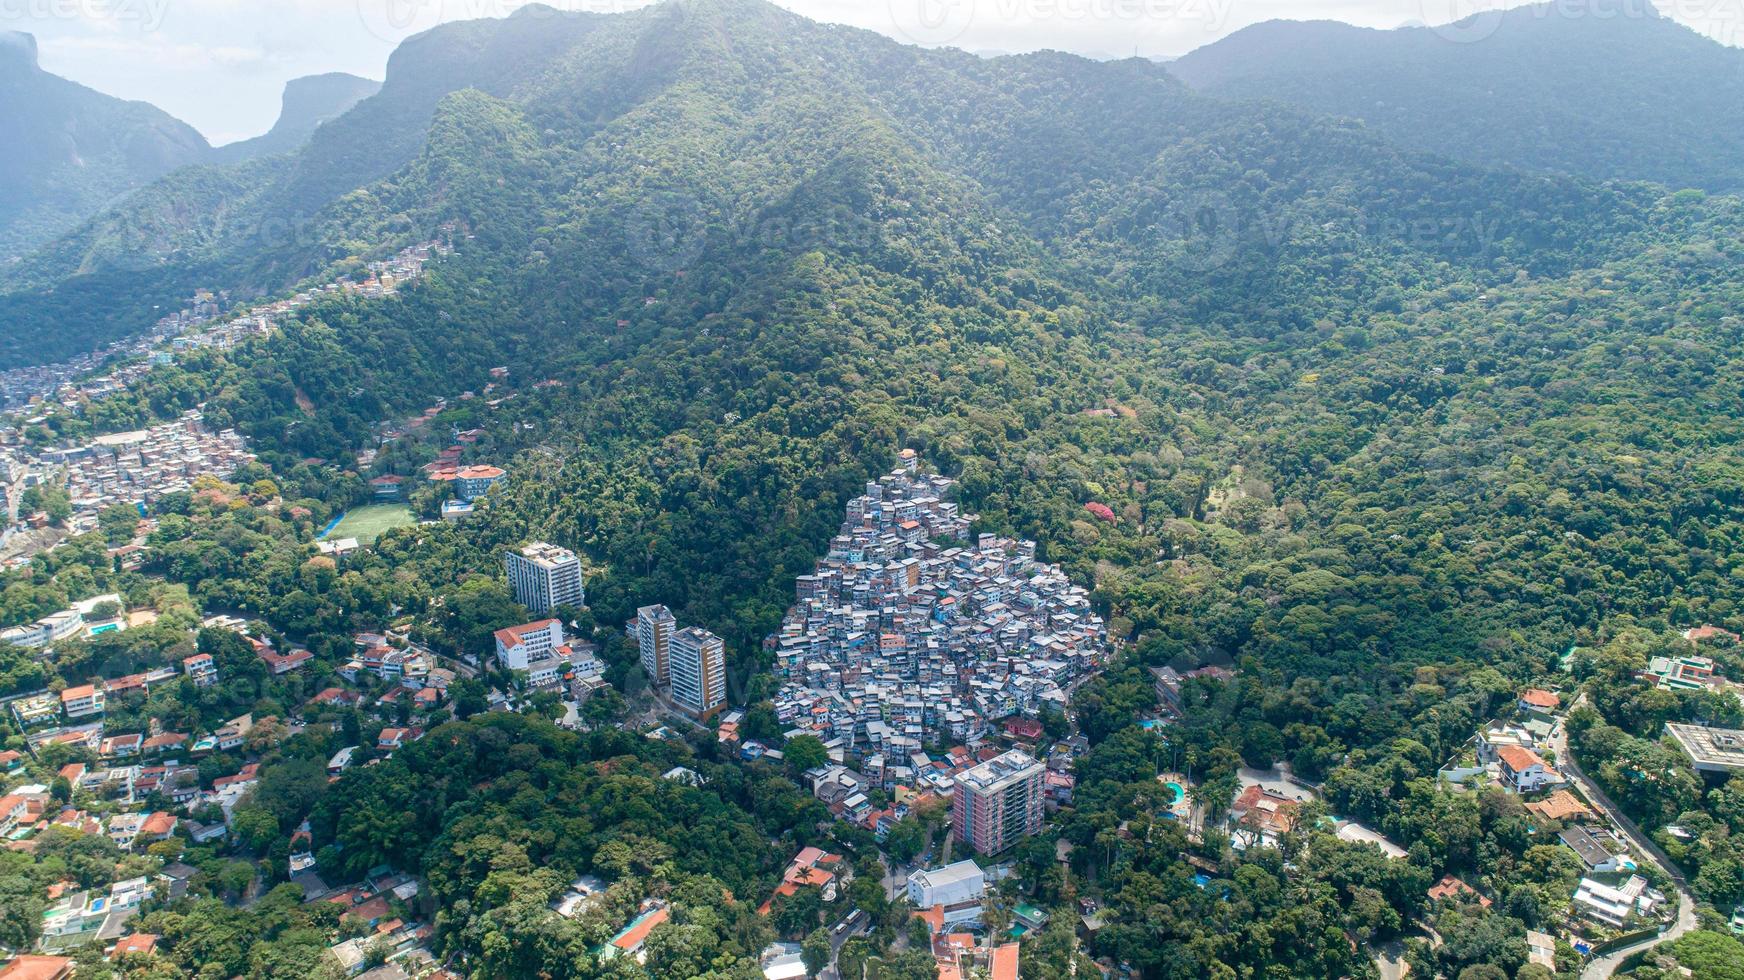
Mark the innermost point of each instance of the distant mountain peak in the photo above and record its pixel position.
(1609, 89)
(307, 103)
(18, 47)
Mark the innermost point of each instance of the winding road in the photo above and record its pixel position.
(1602, 967)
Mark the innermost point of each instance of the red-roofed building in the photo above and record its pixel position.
(1523, 771)
(284, 663)
(635, 935)
(164, 742)
(472, 482)
(1451, 888)
(158, 826)
(82, 700)
(139, 942)
(517, 646)
(201, 669)
(37, 968)
(1264, 814)
(1534, 699)
(811, 868)
(248, 774)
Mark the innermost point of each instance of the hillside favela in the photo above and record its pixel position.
(794, 490)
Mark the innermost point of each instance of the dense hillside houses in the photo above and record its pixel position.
(204, 322)
(906, 635)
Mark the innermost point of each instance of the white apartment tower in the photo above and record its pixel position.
(699, 672)
(654, 628)
(544, 576)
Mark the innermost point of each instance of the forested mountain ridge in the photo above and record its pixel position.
(69, 150)
(1607, 90)
(1061, 148)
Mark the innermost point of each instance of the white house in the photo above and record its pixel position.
(1523, 771)
(1612, 905)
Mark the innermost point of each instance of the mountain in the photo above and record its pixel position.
(1108, 162)
(70, 150)
(1599, 89)
(308, 102)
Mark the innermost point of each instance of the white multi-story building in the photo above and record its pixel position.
(47, 630)
(83, 700)
(201, 669)
(955, 888)
(518, 646)
(1613, 905)
(699, 672)
(654, 628)
(543, 576)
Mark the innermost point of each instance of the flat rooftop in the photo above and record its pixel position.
(1711, 749)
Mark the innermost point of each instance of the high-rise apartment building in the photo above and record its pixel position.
(543, 576)
(998, 802)
(698, 665)
(654, 628)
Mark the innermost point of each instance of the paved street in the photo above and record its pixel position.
(1602, 967)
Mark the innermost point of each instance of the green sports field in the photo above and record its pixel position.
(368, 522)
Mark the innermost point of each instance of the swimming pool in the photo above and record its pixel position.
(105, 628)
(1175, 788)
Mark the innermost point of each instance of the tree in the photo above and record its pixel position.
(815, 951)
(805, 752)
(905, 840)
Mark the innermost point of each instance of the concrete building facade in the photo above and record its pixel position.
(698, 665)
(543, 576)
(999, 802)
(654, 628)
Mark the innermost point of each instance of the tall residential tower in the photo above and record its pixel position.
(544, 576)
(699, 672)
(999, 802)
(654, 628)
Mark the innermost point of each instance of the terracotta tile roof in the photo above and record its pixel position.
(1516, 759)
(633, 937)
(1538, 698)
(1561, 805)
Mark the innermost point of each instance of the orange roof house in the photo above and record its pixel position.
(139, 942)
(1517, 759)
(1451, 887)
(1540, 700)
(811, 868)
(37, 968)
(633, 936)
(1561, 805)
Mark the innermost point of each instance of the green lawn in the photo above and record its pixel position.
(368, 522)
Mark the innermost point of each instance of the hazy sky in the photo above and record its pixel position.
(221, 64)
